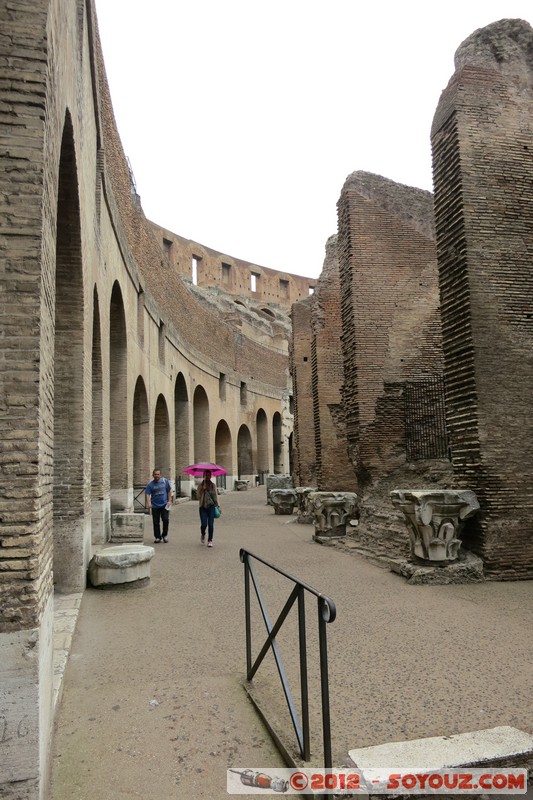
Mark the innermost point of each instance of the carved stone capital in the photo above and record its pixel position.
(304, 513)
(331, 511)
(283, 500)
(278, 482)
(435, 518)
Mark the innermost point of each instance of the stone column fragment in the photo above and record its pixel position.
(331, 511)
(434, 520)
(283, 500)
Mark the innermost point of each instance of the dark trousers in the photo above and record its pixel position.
(160, 515)
(207, 518)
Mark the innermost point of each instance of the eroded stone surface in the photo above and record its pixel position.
(121, 564)
(435, 518)
(331, 511)
(283, 500)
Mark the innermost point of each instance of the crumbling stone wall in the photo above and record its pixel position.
(232, 274)
(482, 140)
(390, 314)
(334, 470)
(104, 349)
(304, 453)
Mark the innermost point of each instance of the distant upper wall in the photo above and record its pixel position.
(208, 267)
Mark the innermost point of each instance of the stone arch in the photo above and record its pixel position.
(142, 469)
(245, 463)
(181, 429)
(277, 441)
(118, 406)
(201, 425)
(100, 526)
(69, 453)
(223, 446)
(262, 441)
(162, 437)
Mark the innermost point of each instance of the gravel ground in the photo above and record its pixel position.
(153, 704)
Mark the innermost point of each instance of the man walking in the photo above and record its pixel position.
(158, 497)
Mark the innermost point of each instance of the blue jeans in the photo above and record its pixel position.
(157, 515)
(207, 518)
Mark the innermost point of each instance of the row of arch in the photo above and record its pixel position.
(250, 458)
(133, 425)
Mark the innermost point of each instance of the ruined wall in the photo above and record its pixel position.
(390, 313)
(304, 454)
(482, 140)
(109, 360)
(333, 467)
(232, 274)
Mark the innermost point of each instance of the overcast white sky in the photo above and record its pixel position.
(243, 118)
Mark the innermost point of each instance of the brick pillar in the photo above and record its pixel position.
(482, 140)
(300, 358)
(335, 471)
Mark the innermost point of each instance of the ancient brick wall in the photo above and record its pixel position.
(104, 350)
(304, 454)
(390, 313)
(234, 275)
(23, 412)
(482, 141)
(333, 467)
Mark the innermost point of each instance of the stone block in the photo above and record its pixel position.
(492, 746)
(283, 500)
(127, 528)
(278, 482)
(127, 564)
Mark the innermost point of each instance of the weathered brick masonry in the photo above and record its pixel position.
(390, 314)
(397, 356)
(334, 469)
(232, 274)
(304, 453)
(482, 140)
(110, 363)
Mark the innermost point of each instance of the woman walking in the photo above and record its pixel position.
(207, 501)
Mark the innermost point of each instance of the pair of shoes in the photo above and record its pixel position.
(203, 538)
(210, 544)
(156, 540)
(165, 539)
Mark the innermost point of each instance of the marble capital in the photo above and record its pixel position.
(435, 518)
(331, 511)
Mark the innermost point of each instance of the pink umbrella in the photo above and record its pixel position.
(199, 469)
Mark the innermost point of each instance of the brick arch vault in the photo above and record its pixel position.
(103, 344)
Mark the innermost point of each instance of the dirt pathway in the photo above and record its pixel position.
(153, 705)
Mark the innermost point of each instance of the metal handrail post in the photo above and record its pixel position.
(302, 635)
(324, 684)
(248, 622)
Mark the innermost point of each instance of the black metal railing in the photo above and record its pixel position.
(326, 614)
(139, 498)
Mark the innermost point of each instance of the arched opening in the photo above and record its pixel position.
(278, 448)
(245, 466)
(223, 448)
(100, 518)
(201, 425)
(118, 405)
(162, 437)
(142, 469)
(69, 454)
(181, 430)
(262, 445)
